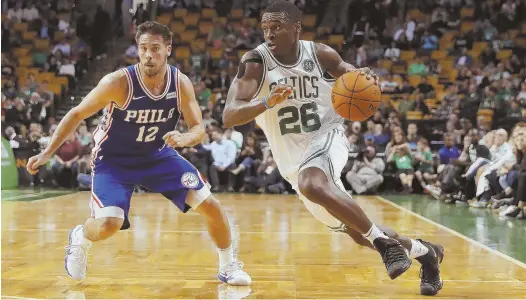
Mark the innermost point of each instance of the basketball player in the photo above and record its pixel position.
(280, 84)
(143, 104)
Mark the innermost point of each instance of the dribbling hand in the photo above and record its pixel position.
(36, 161)
(279, 94)
(368, 74)
(175, 139)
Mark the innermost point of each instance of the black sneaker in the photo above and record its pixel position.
(430, 282)
(393, 255)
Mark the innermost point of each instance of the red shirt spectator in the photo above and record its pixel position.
(70, 149)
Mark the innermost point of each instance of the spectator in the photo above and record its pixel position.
(464, 59)
(392, 53)
(425, 88)
(388, 85)
(399, 153)
(417, 68)
(366, 173)
(425, 173)
(449, 151)
(66, 159)
(267, 179)
(412, 136)
(250, 154)
(224, 155)
(501, 154)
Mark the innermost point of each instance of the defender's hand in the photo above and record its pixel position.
(175, 139)
(279, 94)
(36, 161)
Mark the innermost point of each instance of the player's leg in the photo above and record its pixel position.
(230, 269)
(428, 254)
(316, 181)
(181, 183)
(110, 202)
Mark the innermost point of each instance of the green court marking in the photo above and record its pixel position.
(503, 234)
(32, 194)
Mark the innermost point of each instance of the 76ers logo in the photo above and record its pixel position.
(189, 180)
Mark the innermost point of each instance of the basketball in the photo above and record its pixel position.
(354, 97)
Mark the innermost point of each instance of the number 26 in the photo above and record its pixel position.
(310, 120)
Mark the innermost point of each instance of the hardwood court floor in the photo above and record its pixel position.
(289, 254)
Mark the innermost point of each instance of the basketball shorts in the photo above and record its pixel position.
(166, 172)
(328, 152)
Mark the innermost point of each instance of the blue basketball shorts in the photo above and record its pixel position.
(167, 173)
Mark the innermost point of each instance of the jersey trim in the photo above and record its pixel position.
(130, 90)
(300, 57)
(316, 61)
(264, 76)
(100, 135)
(178, 90)
(145, 89)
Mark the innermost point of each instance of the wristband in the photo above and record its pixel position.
(265, 103)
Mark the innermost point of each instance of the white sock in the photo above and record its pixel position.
(81, 238)
(417, 249)
(226, 256)
(374, 233)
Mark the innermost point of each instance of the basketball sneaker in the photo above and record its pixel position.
(430, 282)
(76, 260)
(233, 274)
(393, 255)
(231, 292)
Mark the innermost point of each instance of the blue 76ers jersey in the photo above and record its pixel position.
(133, 133)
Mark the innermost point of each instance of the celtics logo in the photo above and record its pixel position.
(308, 65)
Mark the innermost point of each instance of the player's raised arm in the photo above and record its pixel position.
(192, 116)
(332, 62)
(111, 88)
(241, 107)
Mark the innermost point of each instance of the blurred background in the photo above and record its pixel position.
(451, 124)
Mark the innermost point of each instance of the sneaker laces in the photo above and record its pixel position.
(78, 253)
(393, 254)
(232, 267)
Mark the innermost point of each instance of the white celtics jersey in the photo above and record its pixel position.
(292, 124)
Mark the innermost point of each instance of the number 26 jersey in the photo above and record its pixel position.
(308, 113)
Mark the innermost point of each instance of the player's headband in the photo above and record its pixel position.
(274, 16)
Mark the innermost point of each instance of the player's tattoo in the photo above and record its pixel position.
(249, 57)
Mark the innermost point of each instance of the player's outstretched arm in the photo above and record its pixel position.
(241, 107)
(332, 62)
(111, 88)
(192, 116)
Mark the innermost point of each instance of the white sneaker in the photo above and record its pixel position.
(234, 275)
(231, 292)
(76, 260)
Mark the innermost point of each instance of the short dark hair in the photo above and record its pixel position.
(292, 12)
(154, 28)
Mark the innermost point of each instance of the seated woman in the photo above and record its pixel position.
(401, 155)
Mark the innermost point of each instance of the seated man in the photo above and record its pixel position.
(224, 153)
(501, 154)
(366, 173)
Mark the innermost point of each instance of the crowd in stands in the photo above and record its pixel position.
(453, 74)
(46, 51)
